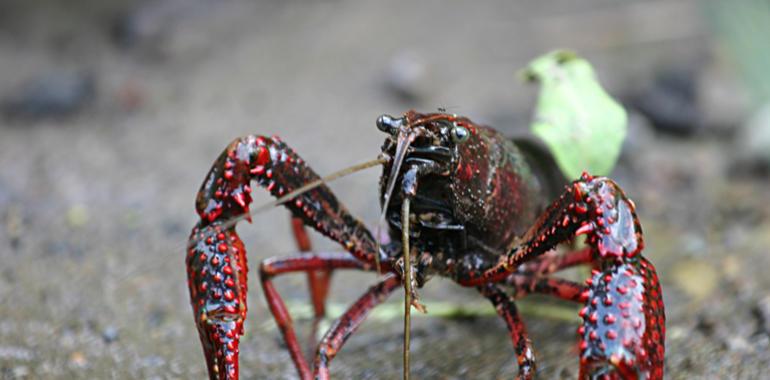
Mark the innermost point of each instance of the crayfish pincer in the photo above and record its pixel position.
(459, 200)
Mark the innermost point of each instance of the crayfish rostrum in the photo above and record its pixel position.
(460, 201)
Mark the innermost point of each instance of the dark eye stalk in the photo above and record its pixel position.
(389, 124)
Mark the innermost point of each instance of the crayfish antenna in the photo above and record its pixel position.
(407, 282)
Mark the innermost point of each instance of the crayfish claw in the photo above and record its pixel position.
(220, 344)
(622, 335)
(217, 274)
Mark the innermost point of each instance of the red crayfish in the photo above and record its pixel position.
(460, 201)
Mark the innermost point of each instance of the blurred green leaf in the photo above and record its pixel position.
(743, 28)
(581, 124)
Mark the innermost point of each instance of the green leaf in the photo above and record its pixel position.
(581, 124)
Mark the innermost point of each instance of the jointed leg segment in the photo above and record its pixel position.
(298, 263)
(552, 262)
(506, 308)
(348, 323)
(524, 284)
(318, 281)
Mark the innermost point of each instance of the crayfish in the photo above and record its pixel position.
(459, 200)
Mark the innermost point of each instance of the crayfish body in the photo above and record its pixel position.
(480, 211)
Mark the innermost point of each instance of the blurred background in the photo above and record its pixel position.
(111, 113)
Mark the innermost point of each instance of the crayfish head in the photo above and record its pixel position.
(422, 154)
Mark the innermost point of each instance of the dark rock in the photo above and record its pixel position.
(153, 361)
(706, 324)
(145, 24)
(762, 312)
(151, 27)
(670, 102)
(157, 316)
(50, 95)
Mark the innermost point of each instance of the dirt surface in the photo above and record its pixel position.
(96, 200)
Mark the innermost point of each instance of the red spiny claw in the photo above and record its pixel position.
(216, 261)
(623, 330)
(217, 274)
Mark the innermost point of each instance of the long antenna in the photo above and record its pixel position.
(407, 282)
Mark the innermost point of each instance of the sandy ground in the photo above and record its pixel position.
(96, 206)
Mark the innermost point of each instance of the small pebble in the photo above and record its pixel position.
(15, 353)
(677, 333)
(763, 313)
(78, 359)
(738, 344)
(110, 334)
(20, 372)
(153, 361)
(77, 216)
(706, 324)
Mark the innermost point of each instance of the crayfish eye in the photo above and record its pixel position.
(388, 124)
(459, 135)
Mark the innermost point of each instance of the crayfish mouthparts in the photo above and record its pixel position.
(414, 282)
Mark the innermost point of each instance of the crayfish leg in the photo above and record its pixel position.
(305, 262)
(318, 280)
(507, 310)
(347, 324)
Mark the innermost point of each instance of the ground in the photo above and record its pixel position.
(96, 205)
